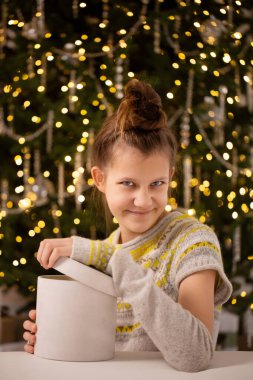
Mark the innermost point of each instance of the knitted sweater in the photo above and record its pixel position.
(147, 272)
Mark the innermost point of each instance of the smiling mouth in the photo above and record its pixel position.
(140, 212)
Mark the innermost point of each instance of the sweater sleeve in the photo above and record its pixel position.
(183, 340)
(96, 253)
(202, 251)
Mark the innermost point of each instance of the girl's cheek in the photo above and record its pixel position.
(163, 199)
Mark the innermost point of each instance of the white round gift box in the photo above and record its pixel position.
(75, 314)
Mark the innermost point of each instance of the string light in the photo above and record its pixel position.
(81, 198)
(170, 95)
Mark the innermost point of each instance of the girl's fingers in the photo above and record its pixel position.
(30, 338)
(32, 314)
(45, 250)
(58, 252)
(48, 245)
(29, 335)
(30, 326)
(40, 250)
(29, 349)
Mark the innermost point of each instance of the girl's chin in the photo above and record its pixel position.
(132, 227)
(139, 225)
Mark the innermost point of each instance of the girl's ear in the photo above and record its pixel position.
(172, 171)
(98, 178)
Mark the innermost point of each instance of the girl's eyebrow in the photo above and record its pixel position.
(133, 180)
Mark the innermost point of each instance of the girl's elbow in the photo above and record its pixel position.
(191, 362)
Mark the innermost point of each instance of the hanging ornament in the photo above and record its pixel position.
(187, 170)
(251, 159)
(235, 169)
(10, 39)
(223, 94)
(40, 186)
(36, 162)
(177, 26)
(238, 87)
(72, 91)
(249, 90)
(218, 139)
(157, 32)
(56, 221)
(236, 247)
(230, 14)
(110, 44)
(185, 123)
(61, 184)
(68, 54)
(119, 78)
(185, 130)
(209, 108)
(75, 8)
(43, 78)
(145, 2)
(189, 91)
(78, 179)
(40, 18)
(4, 193)
(30, 62)
(105, 11)
(50, 124)
(30, 30)
(3, 27)
(26, 170)
(211, 30)
(196, 188)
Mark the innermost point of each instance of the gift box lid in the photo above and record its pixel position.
(86, 275)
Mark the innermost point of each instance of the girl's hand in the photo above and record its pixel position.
(29, 335)
(51, 249)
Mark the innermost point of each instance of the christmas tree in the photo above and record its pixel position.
(63, 67)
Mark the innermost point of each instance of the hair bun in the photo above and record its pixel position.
(140, 108)
(143, 99)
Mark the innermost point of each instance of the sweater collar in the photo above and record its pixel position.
(148, 234)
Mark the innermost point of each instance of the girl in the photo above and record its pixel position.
(166, 266)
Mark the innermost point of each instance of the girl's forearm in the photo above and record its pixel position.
(96, 253)
(183, 340)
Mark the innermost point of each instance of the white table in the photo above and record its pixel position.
(232, 365)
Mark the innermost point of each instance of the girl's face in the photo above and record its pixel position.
(136, 188)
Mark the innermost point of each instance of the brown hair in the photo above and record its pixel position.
(140, 122)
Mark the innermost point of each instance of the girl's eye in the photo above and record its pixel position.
(157, 183)
(127, 183)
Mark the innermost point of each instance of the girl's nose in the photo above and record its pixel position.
(142, 199)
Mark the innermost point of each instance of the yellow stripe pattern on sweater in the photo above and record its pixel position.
(127, 329)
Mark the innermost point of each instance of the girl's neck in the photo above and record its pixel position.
(125, 239)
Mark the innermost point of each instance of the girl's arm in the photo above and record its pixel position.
(96, 253)
(181, 331)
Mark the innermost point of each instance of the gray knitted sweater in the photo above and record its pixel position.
(147, 272)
